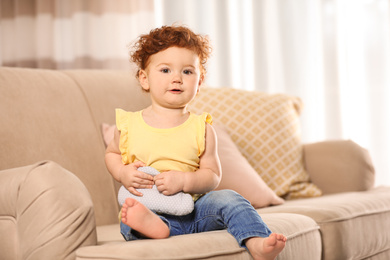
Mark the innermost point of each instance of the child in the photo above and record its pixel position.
(182, 146)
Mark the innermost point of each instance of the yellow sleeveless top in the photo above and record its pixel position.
(178, 148)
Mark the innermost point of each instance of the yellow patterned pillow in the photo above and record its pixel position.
(266, 130)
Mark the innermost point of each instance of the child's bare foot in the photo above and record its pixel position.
(143, 220)
(266, 248)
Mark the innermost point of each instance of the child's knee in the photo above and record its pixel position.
(226, 196)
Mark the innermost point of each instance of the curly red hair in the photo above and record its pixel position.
(162, 38)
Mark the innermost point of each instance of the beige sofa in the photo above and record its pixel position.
(59, 202)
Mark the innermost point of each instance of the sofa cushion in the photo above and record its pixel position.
(354, 225)
(266, 129)
(301, 232)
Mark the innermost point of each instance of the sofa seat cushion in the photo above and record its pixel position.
(301, 231)
(354, 225)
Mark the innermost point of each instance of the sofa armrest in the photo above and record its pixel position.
(45, 213)
(339, 166)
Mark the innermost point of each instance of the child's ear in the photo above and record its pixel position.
(143, 80)
(200, 82)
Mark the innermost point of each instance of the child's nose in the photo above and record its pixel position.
(177, 78)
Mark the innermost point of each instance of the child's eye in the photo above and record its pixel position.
(187, 72)
(165, 70)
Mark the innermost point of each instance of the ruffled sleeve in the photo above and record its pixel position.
(207, 118)
(122, 123)
(204, 118)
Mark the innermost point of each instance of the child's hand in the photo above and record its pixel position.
(169, 182)
(133, 179)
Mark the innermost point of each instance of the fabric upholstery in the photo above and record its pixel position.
(9, 243)
(306, 235)
(51, 120)
(266, 129)
(384, 255)
(38, 198)
(354, 224)
(125, 93)
(215, 245)
(327, 162)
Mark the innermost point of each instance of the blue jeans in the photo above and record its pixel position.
(216, 210)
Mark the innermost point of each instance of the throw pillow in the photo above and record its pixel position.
(266, 129)
(239, 175)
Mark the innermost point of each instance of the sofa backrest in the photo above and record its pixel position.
(57, 115)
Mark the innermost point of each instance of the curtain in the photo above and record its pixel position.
(61, 34)
(334, 54)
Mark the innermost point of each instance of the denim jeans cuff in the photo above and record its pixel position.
(241, 239)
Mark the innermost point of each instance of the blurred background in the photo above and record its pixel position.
(333, 54)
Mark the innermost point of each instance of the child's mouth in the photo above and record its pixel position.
(175, 91)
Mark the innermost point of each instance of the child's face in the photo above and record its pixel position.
(172, 77)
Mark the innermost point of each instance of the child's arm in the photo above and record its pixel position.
(201, 181)
(128, 175)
